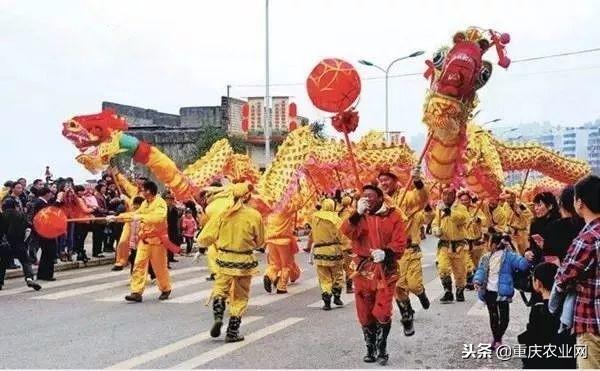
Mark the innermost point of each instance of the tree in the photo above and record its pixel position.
(318, 129)
(210, 135)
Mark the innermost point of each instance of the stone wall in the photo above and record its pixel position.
(142, 117)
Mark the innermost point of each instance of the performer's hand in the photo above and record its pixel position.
(362, 206)
(378, 255)
(436, 232)
(111, 219)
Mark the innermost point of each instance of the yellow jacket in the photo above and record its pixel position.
(496, 219)
(327, 242)
(518, 220)
(238, 236)
(411, 211)
(475, 223)
(153, 216)
(451, 228)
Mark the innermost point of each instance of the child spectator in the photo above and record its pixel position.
(542, 329)
(189, 228)
(494, 282)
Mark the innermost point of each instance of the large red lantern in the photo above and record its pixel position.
(333, 85)
(245, 113)
(50, 222)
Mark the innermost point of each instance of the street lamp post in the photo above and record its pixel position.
(386, 71)
(267, 114)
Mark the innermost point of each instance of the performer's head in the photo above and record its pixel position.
(449, 196)
(137, 202)
(149, 190)
(242, 191)
(388, 182)
(375, 197)
(465, 198)
(328, 204)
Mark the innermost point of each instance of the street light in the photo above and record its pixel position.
(386, 71)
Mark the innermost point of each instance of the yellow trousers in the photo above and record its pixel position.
(473, 257)
(211, 259)
(281, 262)
(410, 275)
(122, 254)
(330, 277)
(453, 263)
(234, 288)
(156, 255)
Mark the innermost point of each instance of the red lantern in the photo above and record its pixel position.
(292, 110)
(245, 110)
(333, 85)
(50, 222)
(245, 124)
(293, 125)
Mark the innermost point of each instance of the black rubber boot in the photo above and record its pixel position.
(135, 297)
(369, 333)
(383, 330)
(337, 291)
(218, 311)
(326, 301)
(233, 330)
(349, 287)
(469, 285)
(267, 284)
(424, 300)
(460, 294)
(448, 296)
(406, 312)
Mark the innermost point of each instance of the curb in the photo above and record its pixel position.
(66, 266)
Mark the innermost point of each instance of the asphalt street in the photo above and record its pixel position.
(82, 321)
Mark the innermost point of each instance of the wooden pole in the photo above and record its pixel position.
(353, 162)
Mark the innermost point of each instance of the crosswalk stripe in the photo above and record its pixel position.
(301, 287)
(199, 296)
(155, 290)
(231, 347)
(170, 348)
(100, 287)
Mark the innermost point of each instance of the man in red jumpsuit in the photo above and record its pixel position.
(378, 240)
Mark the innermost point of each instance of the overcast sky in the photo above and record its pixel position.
(63, 58)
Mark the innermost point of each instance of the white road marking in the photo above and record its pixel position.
(301, 287)
(170, 348)
(231, 347)
(200, 296)
(104, 286)
(155, 290)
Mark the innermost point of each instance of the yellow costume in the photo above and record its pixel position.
(327, 244)
(235, 234)
(344, 213)
(153, 217)
(474, 237)
(519, 219)
(281, 247)
(129, 190)
(452, 247)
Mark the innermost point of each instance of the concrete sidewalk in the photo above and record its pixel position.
(109, 258)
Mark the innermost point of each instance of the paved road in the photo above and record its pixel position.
(81, 321)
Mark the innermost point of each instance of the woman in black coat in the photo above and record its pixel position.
(546, 210)
(559, 234)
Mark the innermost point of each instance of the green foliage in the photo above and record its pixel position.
(318, 129)
(211, 135)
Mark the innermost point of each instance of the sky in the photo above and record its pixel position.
(62, 58)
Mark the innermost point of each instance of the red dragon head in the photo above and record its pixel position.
(459, 71)
(88, 131)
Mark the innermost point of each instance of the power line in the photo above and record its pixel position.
(585, 51)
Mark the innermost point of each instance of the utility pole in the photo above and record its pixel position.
(267, 114)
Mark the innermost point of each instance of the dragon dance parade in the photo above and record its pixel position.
(340, 247)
